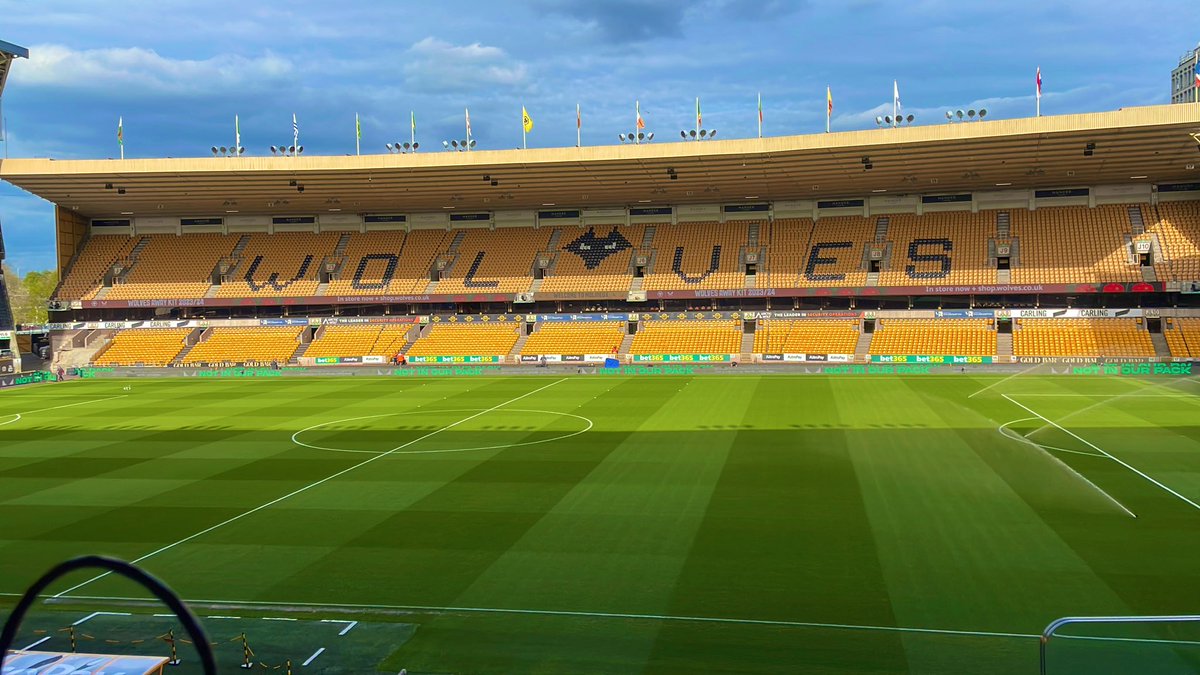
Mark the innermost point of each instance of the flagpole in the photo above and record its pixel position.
(412, 126)
(828, 107)
(637, 108)
(578, 128)
(1038, 85)
(523, 132)
(895, 100)
(357, 136)
(760, 114)
(121, 135)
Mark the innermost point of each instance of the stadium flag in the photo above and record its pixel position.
(412, 115)
(640, 124)
(357, 135)
(237, 135)
(895, 101)
(578, 127)
(1196, 75)
(760, 114)
(1038, 79)
(828, 107)
(121, 135)
(467, 114)
(295, 136)
(526, 125)
(699, 119)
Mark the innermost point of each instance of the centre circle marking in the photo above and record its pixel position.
(297, 441)
(16, 417)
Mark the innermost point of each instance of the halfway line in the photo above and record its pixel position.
(313, 485)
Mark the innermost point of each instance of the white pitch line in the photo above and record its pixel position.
(587, 615)
(1100, 450)
(214, 617)
(278, 618)
(310, 486)
(1109, 399)
(313, 657)
(17, 416)
(25, 649)
(351, 625)
(1004, 431)
(1000, 382)
(93, 615)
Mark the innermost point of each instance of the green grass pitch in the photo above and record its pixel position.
(586, 524)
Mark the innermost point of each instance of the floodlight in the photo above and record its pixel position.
(692, 133)
(622, 137)
(909, 119)
(878, 119)
(958, 114)
(641, 136)
(949, 115)
(704, 133)
(971, 113)
(982, 112)
(710, 133)
(454, 144)
(223, 150)
(300, 150)
(683, 134)
(214, 149)
(445, 144)
(472, 143)
(241, 150)
(888, 119)
(416, 145)
(407, 146)
(650, 136)
(388, 146)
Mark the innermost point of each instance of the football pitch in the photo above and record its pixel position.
(588, 524)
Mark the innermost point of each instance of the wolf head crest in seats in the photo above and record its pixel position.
(593, 250)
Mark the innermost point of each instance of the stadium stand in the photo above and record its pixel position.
(1073, 244)
(495, 261)
(280, 264)
(601, 337)
(6, 315)
(1081, 337)
(712, 336)
(359, 340)
(466, 339)
(171, 266)
(949, 248)
(831, 256)
(1052, 245)
(85, 277)
(596, 259)
(254, 345)
(390, 263)
(806, 336)
(1178, 230)
(1183, 336)
(142, 346)
(949, 337)
(698, 256)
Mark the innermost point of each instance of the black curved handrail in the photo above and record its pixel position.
(160, 590)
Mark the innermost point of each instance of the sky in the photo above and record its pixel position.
(178, 71)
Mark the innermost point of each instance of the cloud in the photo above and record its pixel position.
(623, 20)
(438, 66)
(136, 70)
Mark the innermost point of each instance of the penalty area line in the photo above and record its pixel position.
(312, 485)
(1100, 450)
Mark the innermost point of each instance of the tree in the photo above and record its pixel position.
(29, 295)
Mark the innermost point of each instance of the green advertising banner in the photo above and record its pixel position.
(943, 360)
(326, 360)
(680, 358)
(455, 359)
